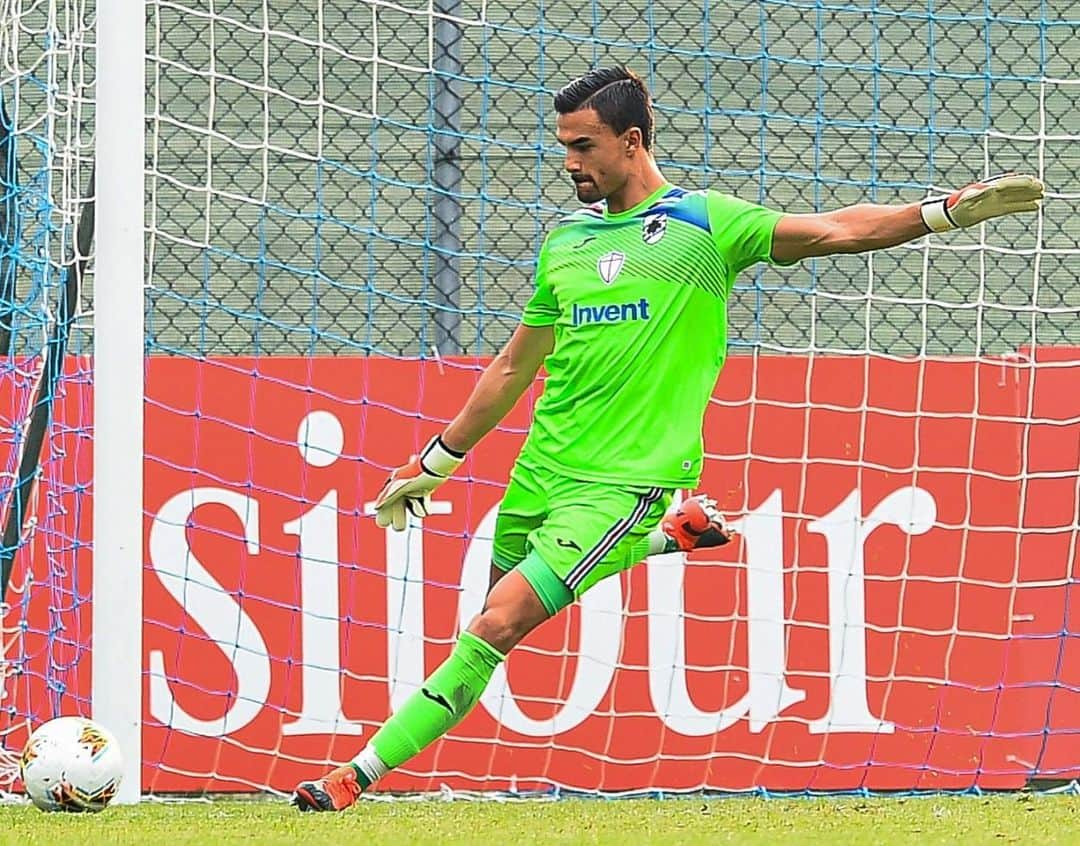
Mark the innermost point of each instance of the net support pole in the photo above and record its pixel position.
(446, 178)
(118, 382)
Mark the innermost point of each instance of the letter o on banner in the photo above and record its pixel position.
(601, 636)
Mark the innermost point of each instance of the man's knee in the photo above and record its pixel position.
(512, 610)
(495, 627)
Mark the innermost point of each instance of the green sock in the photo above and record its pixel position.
(445, 698)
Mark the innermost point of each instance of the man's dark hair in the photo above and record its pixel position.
(619, 97)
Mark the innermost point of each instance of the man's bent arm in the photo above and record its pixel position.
(500, 386)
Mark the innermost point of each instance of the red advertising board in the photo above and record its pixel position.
(898, 612)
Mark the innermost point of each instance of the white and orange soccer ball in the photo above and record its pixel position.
(71, 764)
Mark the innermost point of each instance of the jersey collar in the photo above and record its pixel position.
(644, 204)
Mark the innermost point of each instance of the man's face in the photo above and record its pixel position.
(596, 158)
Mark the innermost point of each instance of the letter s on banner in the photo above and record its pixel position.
(207, 601)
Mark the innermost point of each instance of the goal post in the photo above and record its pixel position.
(317, 222)
(119, 349)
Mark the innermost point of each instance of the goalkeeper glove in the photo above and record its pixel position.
(981, 201)
(695, 523)
(408, 489)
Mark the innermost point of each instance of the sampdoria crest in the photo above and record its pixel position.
(653, 227)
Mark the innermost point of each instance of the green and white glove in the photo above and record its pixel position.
(979, 201)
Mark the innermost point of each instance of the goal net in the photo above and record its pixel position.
(344, 202)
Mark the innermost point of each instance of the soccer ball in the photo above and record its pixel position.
(71, 764)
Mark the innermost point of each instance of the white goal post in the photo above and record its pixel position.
(119, 298)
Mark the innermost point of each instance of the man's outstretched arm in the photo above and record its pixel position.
(865, 227)
(408, 490)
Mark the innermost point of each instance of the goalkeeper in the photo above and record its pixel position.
(630, 317)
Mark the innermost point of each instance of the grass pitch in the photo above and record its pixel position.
(923, 821)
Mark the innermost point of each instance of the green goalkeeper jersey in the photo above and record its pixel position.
(638, 302)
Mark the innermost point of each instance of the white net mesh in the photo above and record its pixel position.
(46, 86)
(344, 203)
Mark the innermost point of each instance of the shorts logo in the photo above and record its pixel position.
(609, 266)
(653, 228)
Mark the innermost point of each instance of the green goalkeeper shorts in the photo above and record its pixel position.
(550, 525)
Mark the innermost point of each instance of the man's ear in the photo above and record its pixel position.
(632, 139)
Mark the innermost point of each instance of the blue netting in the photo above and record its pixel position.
(43, 509)
(396, 205)
(321, 185)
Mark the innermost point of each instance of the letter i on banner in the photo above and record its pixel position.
(320, 439)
